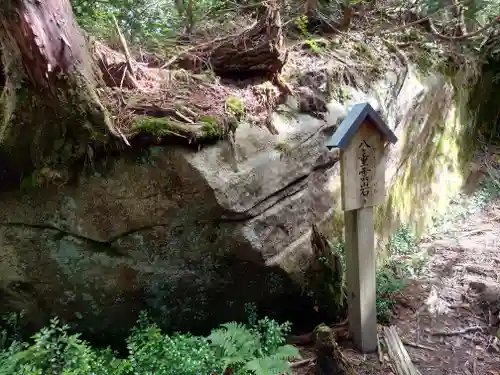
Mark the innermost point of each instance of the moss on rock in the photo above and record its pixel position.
(430, 170)
(156, 126)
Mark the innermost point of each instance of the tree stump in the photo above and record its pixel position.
(329, 358)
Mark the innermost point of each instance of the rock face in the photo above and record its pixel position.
(175, 232)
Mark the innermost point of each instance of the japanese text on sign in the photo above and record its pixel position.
(364, 171)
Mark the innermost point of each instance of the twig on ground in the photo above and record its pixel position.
(459, 331)
(477, 270)
(171, 61)
(418, 346)
(460, 306)
(181, 116)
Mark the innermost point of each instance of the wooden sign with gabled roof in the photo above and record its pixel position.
(361, 138)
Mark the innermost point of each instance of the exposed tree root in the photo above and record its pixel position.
(340, 330)
(51, 111)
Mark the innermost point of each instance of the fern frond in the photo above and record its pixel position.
(235, 342)
(286, 352)
(268, 366)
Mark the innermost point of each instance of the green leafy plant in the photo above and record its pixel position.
(258, 349)
(252, 313)
(302, 23)
(183, 354)
(387, 285)
(10, 329)
(314, 46)
(55, 351)
(403, 242)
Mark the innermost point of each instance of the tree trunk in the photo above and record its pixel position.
(51, 112)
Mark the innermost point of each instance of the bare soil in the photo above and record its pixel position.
(448, 318)
(443, 312)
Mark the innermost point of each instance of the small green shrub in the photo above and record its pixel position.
(302, 23)
(152, 352)
(258, 349)
(403, 242)
(10, 329)
(387, 285)
(55, 351)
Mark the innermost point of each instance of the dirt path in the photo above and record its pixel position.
(438, 314)
(442, 301)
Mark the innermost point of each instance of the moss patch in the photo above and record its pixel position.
(429, 171)
(212, 128)
(156, 126)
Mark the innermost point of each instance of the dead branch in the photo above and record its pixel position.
(302, 362)
(428, 20)
(479, 270)
(379, 350)
(401, 361)
(459, 331)
(461, 37)
(418, 346)
(113, 66)
(129, 71)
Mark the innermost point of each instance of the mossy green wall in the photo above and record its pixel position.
(425, 167)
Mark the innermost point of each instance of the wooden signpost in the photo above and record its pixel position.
(361, 138)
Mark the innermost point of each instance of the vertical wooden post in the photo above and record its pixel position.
(361, 138)
(360, 270)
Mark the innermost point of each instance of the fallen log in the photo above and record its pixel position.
(257, 50)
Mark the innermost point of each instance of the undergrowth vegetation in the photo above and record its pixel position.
(256, 348)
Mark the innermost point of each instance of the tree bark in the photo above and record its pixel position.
(257, 50)
(50, 110)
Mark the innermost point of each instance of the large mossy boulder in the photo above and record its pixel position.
(185, 235)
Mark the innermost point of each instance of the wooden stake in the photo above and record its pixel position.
(360, 272)
(361, 137)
